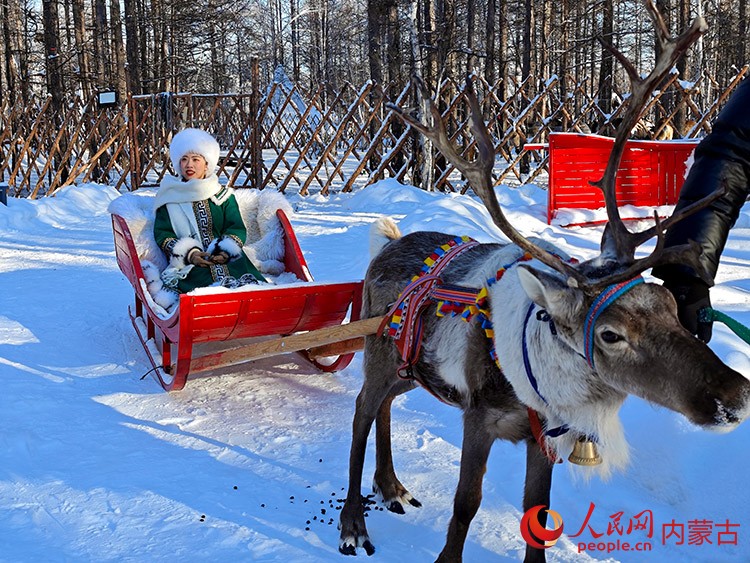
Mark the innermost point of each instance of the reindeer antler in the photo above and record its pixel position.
(617, 260)
(479, 172)
(618, 243)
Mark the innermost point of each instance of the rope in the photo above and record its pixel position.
(708, 314)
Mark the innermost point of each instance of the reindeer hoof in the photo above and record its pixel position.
(414, 502)
(349, 546)
(395, 506)
(347, 549)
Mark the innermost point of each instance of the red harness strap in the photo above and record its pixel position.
(404, 319)
(538, 432)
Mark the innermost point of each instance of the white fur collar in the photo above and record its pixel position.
(173, 190)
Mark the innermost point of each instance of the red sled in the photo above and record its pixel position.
(308, 318)
(650, 174)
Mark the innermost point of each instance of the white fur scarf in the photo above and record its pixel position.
(174, 190)
(179, 196)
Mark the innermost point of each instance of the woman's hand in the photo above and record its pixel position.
(220, 257)
(199, 258)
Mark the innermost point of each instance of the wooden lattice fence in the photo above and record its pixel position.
(320, 141)
(43, 149)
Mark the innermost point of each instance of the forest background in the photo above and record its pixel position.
(296, 91)
(79, 47)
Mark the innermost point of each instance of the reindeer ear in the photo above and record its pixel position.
(550, 291)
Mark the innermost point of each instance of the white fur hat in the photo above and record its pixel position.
(194, 141)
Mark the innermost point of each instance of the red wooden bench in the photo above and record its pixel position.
(302, 317)
(651, 173)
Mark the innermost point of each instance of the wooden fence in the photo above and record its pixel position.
(318, 142)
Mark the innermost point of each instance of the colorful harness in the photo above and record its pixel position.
(404, 321)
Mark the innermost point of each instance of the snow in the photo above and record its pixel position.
(98, 463)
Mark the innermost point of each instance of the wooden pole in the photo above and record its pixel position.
(350, 335)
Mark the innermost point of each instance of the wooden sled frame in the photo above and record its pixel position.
(307, 318)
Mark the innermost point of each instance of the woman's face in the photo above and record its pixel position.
(193, 166)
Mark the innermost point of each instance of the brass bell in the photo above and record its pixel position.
(584, 452)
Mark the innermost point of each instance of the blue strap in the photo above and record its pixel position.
(552, 432)
(526, 361)
(604, 300)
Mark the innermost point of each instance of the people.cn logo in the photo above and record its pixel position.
(537, 535)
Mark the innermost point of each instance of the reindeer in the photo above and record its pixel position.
(573, 340)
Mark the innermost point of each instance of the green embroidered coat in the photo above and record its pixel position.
(220, 227)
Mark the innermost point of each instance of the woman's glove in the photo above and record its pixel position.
(691, 295)
(199, 258)
(220, 257)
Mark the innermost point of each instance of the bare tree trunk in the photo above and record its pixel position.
(471, 16)
(489, 42)
(664, 9)
(278, 33)
(325, 45)
(741, 31)
(294, 23)
(316, 33)
(216, 71)
(18, 86)
(118, 47)
(429, 29)
(79, 27)
(376, 17)
(683, 64)
(422, 165)
(4, 92)
(55, 85)
(446, 36)
(160, 25)
(393, 45)
(528, 33)
(147, 70)
(133, 43)
(564, 61)
(544, 45)
(503, 39)
(606, 67)
(101, 45)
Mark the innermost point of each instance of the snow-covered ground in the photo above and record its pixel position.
(250, 463)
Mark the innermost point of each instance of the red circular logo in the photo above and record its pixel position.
(535, 534)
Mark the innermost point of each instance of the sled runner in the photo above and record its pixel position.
(306, 317)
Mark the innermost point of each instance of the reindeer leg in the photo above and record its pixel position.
(477, 442)
(374, 398)
(352, 519)
(536, 491)
(385, 483)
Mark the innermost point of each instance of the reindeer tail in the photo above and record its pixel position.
(383, 231)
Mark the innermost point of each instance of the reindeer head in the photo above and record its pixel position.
(635, 345)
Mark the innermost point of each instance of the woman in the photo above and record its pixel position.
(198, 223)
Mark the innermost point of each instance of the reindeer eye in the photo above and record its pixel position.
(610, 337)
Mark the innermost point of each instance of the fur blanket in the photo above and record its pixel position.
(265, 235)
